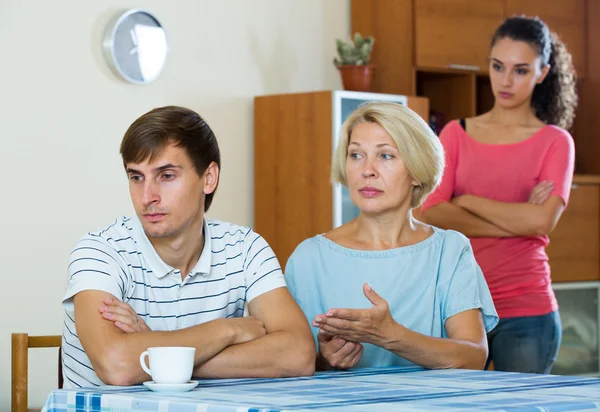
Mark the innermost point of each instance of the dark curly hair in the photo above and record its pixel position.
(555, 99)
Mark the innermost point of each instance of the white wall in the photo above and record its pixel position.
(63, 113)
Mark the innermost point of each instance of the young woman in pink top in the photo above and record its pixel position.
(506, 183)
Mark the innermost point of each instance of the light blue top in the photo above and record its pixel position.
(424, 284)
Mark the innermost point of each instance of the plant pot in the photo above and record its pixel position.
(357, 78)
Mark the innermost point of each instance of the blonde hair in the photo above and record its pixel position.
(420, 149)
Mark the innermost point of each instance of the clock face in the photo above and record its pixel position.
(135, 46)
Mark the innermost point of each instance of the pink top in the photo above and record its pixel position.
(516, 268)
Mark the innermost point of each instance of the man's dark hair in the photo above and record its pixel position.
(151, 133)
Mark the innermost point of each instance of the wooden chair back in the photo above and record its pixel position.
(21, 342)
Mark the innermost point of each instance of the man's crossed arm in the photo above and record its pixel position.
(274, 342)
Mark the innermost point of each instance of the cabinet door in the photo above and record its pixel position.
(455, 33)
(565, 17)
(575, 242)
(391, 23)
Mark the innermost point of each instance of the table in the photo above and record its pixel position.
(371, 389)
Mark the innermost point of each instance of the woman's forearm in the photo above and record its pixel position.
(436, 353)
(520, 219)
(449, 216)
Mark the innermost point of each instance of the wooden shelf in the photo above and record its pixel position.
(450, 94)
(449, 70)
(586, 179)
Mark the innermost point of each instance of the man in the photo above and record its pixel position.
(171, 277)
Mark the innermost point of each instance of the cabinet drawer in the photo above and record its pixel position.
(575, 242)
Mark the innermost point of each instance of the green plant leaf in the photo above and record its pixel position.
(356, 51)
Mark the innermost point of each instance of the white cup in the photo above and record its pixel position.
(169, 364)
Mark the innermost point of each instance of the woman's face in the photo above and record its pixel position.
(515, 69)
(377, 178)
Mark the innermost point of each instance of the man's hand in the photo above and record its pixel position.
(338, 352)
(123, 316)
(372, 325)
(246, 329)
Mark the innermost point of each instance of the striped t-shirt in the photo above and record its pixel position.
(235, 266)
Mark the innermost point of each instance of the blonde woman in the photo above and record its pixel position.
(385, 289)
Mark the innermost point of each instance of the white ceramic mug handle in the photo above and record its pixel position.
(143, 363)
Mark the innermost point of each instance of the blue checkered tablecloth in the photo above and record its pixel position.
(372, 389)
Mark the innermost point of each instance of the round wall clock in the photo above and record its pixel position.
(135, 46)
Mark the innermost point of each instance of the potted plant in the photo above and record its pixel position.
(353, 62)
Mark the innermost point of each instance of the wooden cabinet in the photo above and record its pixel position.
(391, 23)
(292, 157)
(455, 33)
(565, 17)
(452, 44)
(294, 137)
(574, 248)
(451, 95)
(439, 49)
(420, 105)
(587, 122)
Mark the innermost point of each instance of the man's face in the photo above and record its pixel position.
(167, 193)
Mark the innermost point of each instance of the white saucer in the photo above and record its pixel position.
(170, 387)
